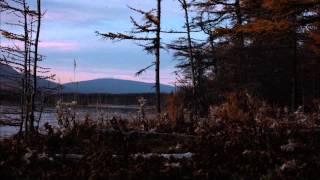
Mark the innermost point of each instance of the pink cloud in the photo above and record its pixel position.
(8, 43)
(60, 45)
(54, 45)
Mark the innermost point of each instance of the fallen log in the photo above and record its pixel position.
(187, 155)
(70, 156)
(149, 135)
(177, 156)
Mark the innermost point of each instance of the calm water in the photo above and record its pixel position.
(49, 115)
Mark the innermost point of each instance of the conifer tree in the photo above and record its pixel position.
(151, 25)
(24, 58)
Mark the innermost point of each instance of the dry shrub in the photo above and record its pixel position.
(238, 107)
(248, 138)
(174, 107)
(241, 110)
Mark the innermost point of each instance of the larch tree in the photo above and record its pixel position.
(35, 65)
(184, 51)
(285, 22)
(24, 56)
(151, 25)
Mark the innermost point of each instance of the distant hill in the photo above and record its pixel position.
(6, 70)
(10, 79)
(114, 86)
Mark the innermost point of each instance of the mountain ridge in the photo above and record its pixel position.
(114, 86)
(100, 85)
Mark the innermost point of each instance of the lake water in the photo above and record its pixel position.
(10, 113)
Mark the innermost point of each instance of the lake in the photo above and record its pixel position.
(11, 113)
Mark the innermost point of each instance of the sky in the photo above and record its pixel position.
(68, 33)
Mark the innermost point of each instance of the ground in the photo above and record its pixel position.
(91, 152)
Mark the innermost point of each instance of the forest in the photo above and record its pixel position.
(246, 103)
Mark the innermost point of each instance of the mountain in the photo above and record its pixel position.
(6, 70)
(10, 79)
(114, 86)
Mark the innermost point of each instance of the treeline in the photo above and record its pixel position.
(13, 98)
(266, 48)
(104, 99)
(9, 98)
(263, 47)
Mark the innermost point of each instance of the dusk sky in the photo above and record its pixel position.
(68, 33)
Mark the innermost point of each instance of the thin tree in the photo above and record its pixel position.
(35, 66)
(16, 56)
(152, 25)
(185, 6)
(25, 58)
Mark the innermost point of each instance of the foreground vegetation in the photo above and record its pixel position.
(243, 138)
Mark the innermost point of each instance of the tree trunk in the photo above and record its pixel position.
(25, 78)
(190, 48)
(294, 90)
(157, 54)
(191, 57)
(240, 43)
(35, 82)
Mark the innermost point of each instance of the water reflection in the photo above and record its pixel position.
(49, 115)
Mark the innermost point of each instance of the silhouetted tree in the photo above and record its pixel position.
(152, 25)
(24, 58)
(184, 51)
(35, 66)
